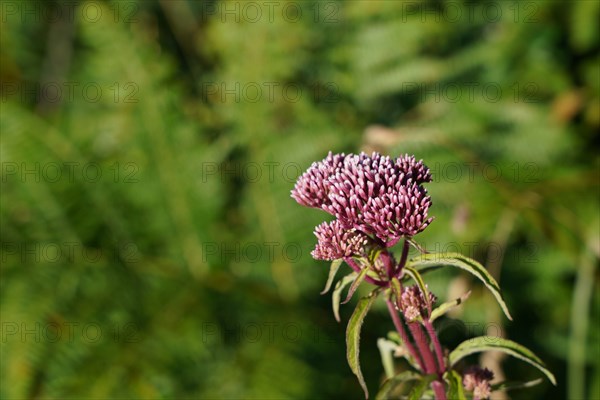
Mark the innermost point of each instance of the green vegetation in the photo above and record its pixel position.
(150, 248)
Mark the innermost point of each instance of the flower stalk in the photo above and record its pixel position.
(436, 345)
(403, 335)
(403, 258)
(423, 346)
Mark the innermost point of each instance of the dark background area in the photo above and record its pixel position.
(150, 248)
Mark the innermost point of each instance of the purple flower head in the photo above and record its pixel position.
(403, 213)
(336, 242)
(413, 304)
(478, 380)
(375, 194)
(413, 168)
(312, 188)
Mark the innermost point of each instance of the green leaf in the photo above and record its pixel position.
(417, 391)
(353, 336)
(390, 384)
(396, 288)
(455, 391)
(488, 343)
(506, 386)
(373, 254)
(416, 276)
(394, 337)
(428, 262)
(445, 307)
(386, 348)
(337, 294)
(335, 265)
(361, 277)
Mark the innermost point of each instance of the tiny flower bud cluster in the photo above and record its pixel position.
(413, 303)
(478, 380)
(375, 195)
(311, 189)
(335, 242)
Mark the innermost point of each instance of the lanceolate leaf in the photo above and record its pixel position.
(335, 265)
(431, 261)
(396, 289)
(353, 336)
(361, 277)
(373, 254)
(506, 386)
(455, 391)
(487, 343)
(386, 348)
(414, 274)
(337, 294)
(390, 384)
(400, 350)
(417, 391)
(444, 307)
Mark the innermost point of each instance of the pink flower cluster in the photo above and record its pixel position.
(335, 242)
(369, 195)
(478, 380)
(413, 303)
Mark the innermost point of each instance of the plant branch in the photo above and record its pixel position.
(436, 345)
(425, 350)
(438, 390)
(350, 261)
(423, 346)
(402, 332)
(403, 258)
(388, 261)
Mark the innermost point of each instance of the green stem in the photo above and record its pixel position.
(580, 308)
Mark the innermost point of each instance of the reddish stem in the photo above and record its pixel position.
(436, 345)
(403, 258)
(425, 350)
(423, 346)
(403, 334)
(438, 390)
(388, 261)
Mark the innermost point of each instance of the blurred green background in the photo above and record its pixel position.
(150, 248)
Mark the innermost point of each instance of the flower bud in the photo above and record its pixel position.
(413, 303)
(478, 379)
